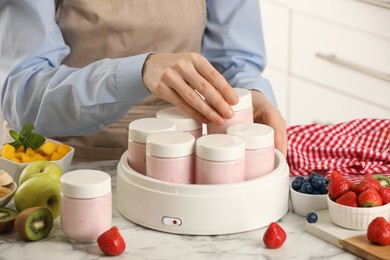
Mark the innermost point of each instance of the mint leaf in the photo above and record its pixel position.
(26, 131)
(27, 138)
(34, 141)
(16, 144)
(14, 134)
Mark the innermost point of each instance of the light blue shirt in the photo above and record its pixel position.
(37, 88)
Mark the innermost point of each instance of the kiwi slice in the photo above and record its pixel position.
(383, 180)
(34, 223)
(7, 219)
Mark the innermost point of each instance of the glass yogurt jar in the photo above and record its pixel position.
(220, 158)
(86, 204)
(259, 148)
(243, 113)
(170, 157)
(139, 130)
(183, 122)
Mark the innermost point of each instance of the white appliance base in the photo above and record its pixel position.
(203, 209)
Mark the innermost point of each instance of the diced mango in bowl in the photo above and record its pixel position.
(49, 151)
(30, 147)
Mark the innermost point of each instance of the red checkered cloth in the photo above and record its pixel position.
(352, 148)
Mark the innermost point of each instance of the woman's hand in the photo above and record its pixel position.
(179, 78)
(265, 113)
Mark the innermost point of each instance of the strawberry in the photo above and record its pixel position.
(369, 198)
(384, 192)
(378, 231)
(338, 185)
(348, 199)
(111, 242)
(367, 182)
(274, 236)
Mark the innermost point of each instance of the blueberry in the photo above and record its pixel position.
(306, 188)
(301, 178)
(296, 184)
(312, 175)
(324, 188)
(311, 217)
(317, 182)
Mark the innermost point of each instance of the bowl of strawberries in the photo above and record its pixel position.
(355, 205)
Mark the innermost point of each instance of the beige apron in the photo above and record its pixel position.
(96, 29)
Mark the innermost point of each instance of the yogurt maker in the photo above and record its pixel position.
(195, 209)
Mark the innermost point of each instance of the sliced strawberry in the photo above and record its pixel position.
(348, 199)
(111, 242)
(274, 236)
(378, 231)
(338, 185)
(384, 192)
(369, 198)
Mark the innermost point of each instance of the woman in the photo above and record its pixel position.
(81, 70)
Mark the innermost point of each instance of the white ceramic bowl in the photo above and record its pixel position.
(357, 218)
(15, 169)
(303, 203)
(4, 200)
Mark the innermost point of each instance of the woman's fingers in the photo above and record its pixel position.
(186, 76)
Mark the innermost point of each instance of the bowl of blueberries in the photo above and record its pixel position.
(309, 194)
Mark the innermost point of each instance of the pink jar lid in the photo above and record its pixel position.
(140, 129)
(244, 99)
(171, 144)
(182, 120)
(256, 136)
(220, 147)
(85, 184)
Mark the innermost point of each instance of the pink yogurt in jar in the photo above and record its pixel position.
(183, 122)
(259, 148)
(139, 130)
(220, 158)
(170, 157)
(243, 113)
(86, 204)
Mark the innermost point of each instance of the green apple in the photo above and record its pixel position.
(39, 191)
(41, 168)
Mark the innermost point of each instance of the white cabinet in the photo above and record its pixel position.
(311, 103)
(337, 65)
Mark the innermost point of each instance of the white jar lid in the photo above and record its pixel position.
(170, 144)
(140, 129)
(256, 136)
(85, 184)
(182, 120)
(244, 99)
(220, 147)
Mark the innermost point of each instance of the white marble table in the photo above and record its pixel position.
(143, 243)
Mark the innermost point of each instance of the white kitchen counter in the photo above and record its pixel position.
(143, 243)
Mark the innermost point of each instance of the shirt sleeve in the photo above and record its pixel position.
(59, 100)
(233, 43)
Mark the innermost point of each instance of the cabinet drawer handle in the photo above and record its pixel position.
(353, 66)
(381, 3)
